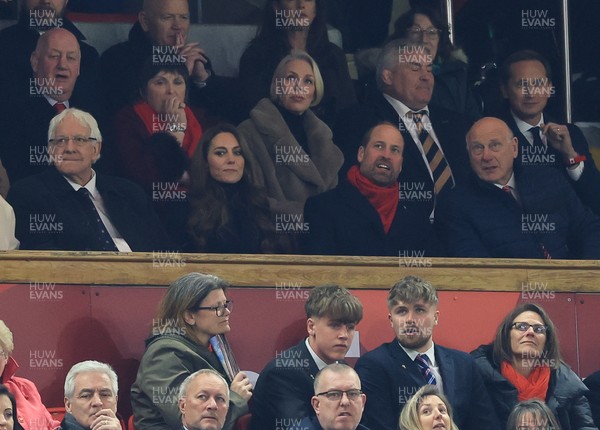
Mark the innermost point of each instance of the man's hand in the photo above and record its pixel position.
(195, 59)
(106, 420)
(558, 137)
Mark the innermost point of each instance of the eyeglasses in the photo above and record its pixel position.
(62, 141)
(537, 328)
(431, 32)
(336, 395)
(219, 310)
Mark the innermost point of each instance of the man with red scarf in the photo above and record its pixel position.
(368, 214)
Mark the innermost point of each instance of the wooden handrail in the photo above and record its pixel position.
(160, 269)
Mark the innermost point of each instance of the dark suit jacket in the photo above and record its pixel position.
(24, 122)
(343, 222)
(478, 219)
(450, 128)
(49, 215)
(587, 186)
(389, 378)
(313, 423)
(283, 391)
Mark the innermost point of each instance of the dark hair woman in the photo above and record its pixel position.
(452, 89)
(524, 363)
(296, 25)
(229, 213)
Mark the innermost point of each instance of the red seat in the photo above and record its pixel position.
(243, 422)
(130, 424)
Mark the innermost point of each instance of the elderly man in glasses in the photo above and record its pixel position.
(338, 401)
(70, 207)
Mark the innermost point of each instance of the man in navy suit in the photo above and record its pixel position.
(434, 155)
(527, 85)
(393, 372)
(71, 207)
(507, 212)
(203, 401)
(283, 392)
(366, 214)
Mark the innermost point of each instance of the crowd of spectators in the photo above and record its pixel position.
(296, 164)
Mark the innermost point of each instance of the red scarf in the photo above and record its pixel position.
(193, 132)
(383, 199)
(535, 386)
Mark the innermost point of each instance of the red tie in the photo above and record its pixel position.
(59, 107)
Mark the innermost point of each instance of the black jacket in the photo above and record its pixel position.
(565, 396)
(49, 215)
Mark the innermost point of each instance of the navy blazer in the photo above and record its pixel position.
(478, 219)
(343, 222)
(389, 378)
(587, 186)
(59, 221)
(283, 392)
(449, 127)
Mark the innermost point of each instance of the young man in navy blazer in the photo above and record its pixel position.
(393, 372)
(282, 395)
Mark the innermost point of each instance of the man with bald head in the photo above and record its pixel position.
(338, 401)
(160, 35)
(17, 42)
(51, 88)
(368, 213)
(505, 211)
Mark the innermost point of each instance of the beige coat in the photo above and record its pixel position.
(289, 175)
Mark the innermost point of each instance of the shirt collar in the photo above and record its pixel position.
(320, 363)
(511, 182)
(523, 126)
(90, 186)
(54, 101)
(401, 108)
(430, 353)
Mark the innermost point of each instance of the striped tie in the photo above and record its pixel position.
(440, 169)
(423, 362)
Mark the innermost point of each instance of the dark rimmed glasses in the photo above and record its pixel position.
(219, 310)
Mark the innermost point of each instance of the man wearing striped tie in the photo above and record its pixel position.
(395, 371)
(434, 155)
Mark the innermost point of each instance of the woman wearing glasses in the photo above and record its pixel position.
(451, 90)
(524, 363)
(193, 310)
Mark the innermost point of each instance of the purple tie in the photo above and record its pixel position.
(424, 365)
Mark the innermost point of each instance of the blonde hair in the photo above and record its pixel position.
(409, 418)
(6, 339)
(298, 55)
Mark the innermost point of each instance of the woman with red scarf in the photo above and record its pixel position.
(155, 139)
(524, 363)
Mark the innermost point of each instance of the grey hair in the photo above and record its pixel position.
(298, 54)
(186, 382)
(84, 118)
(90, 366)
(6, 338)
(389, 57)
(335, 368)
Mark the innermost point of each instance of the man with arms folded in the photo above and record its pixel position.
(203, 401)
(393, 372)
(282, 395)
(91, 397)
(338, 400)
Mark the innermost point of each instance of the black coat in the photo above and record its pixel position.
(343, 222)
(587, 186)
(284, 388)
(450, 128)
(565, 396)
(478, 219)
(389, 378)
(49, 200)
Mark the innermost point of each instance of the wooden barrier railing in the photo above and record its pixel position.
(95, 268)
